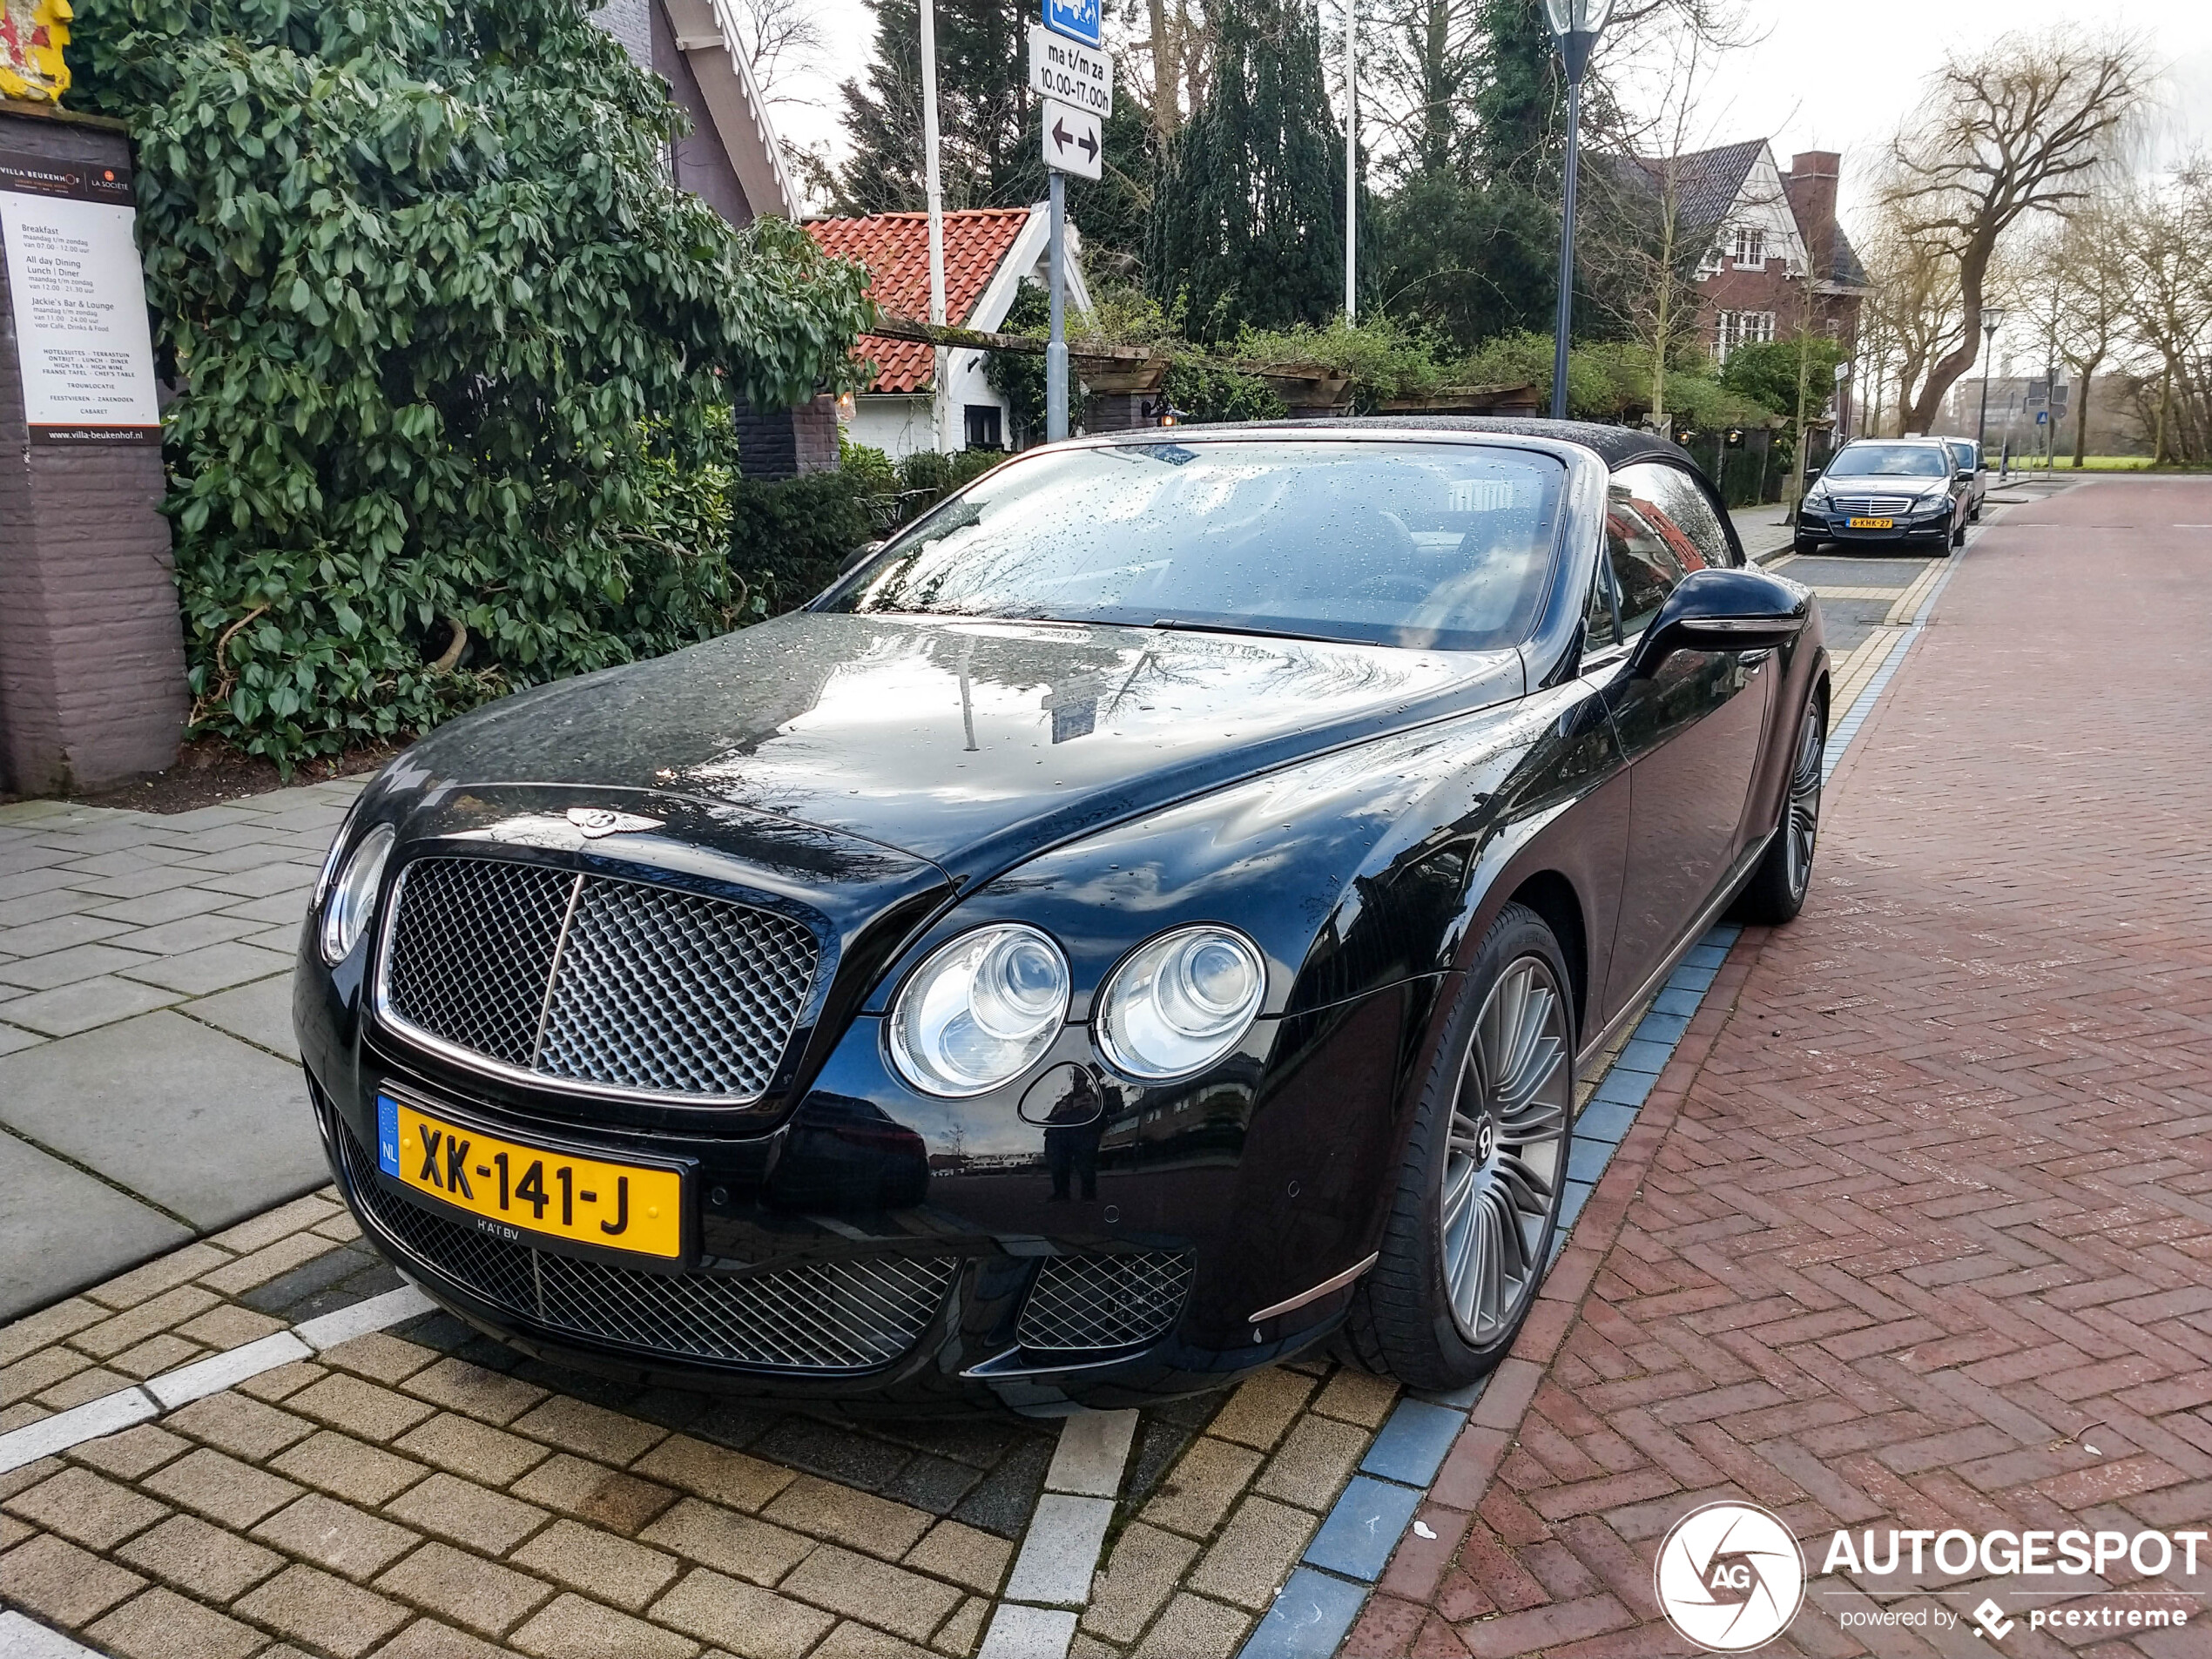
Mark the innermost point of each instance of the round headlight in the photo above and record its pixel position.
(980, 1011)
(1181, 1003)
(353, 896)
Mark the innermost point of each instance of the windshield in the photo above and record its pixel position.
(1891, 460)
(1962, 451)
(1440, 546)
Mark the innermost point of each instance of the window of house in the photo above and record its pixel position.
(984, 431)
(1750, 247)
(1742, 328)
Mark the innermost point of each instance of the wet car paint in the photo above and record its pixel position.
(1359, 811)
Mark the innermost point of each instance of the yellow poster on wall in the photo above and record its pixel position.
(32, 34)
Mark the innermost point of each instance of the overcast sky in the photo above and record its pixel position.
(1824, 76)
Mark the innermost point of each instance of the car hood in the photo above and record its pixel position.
(971, 744)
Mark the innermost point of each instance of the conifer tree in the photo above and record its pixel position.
(1247, 223)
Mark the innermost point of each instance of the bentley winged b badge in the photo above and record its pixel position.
(596, 821)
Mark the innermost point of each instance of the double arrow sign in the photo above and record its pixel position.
(1077, 83)
(1061, 151)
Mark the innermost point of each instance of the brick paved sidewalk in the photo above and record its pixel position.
(1916, 1231)
(420, 1493)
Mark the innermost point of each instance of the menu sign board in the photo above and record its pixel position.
(79, 300)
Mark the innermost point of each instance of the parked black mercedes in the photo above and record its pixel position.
(1886, 491)
(1141, 920)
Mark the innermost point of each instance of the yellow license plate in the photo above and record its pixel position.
(1873, 523)
(511, 1187)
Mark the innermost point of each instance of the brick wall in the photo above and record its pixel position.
(91, 651)
(782, 443)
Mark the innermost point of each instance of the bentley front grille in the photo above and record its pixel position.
(592, 978)
(856, 1315)
(1089, 1303)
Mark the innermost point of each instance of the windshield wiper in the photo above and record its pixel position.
(1175, 624)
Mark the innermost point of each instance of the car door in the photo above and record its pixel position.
(1691, 732)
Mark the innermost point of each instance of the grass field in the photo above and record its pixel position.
(2097, 464)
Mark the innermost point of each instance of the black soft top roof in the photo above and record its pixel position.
(1617, 446)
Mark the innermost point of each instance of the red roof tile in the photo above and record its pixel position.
(895, 248)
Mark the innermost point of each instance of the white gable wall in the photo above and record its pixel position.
(899, 423)
(1761, 204)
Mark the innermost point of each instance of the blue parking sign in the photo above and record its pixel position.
(1077, 19)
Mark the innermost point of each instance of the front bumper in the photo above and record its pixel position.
(1912, 527)
(874, 1249)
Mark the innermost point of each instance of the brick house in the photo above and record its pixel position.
(988, 252)
(1775, 260)
(731, 160)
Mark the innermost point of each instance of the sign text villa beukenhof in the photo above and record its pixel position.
(79, 300)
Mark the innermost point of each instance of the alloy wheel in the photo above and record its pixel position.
(1505, 1167)
(1801, 817)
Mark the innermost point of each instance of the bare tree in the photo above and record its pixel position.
(1915, 307)
(2019, 128)
(1643, 242)
(2080, 276)
(2165, 231)
(779, 38)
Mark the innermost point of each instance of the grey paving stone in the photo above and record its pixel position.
(181, 830)
(39, 906)
(261, 1013)
(255, 854)
(91, 837)
(154, 879)
(283, 907)
(55, 968)
(195, 1120)
(58, 932)
(141, 854)
(187, 932)
(285, 936)
(156, 908)
(22, 884)
(13, 1037)
(263, 881)
(89, 1002)
(61, 1230)
(211, 968)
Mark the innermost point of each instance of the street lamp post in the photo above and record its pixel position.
(1575, 25)
(1993, 318)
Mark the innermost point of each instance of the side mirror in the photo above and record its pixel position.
(1965, 475)
(1812, 473)
(859, 556)
(1717, 610)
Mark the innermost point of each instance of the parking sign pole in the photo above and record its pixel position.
(1055, 351)
(940, 403)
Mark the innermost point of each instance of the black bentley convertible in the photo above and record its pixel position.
(1138, 922)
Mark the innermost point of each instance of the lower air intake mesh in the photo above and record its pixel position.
(1085, 1304)
(855, 1315)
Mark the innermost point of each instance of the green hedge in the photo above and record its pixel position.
(789, 536)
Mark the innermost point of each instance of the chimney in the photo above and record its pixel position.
(1810, 184)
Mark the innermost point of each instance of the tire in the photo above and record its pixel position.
(1776, 890)
(1958, 533)
(1475, 1209)
(1974, 514)
(1804, 543)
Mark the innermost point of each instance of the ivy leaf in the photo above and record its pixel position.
(450, 346)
